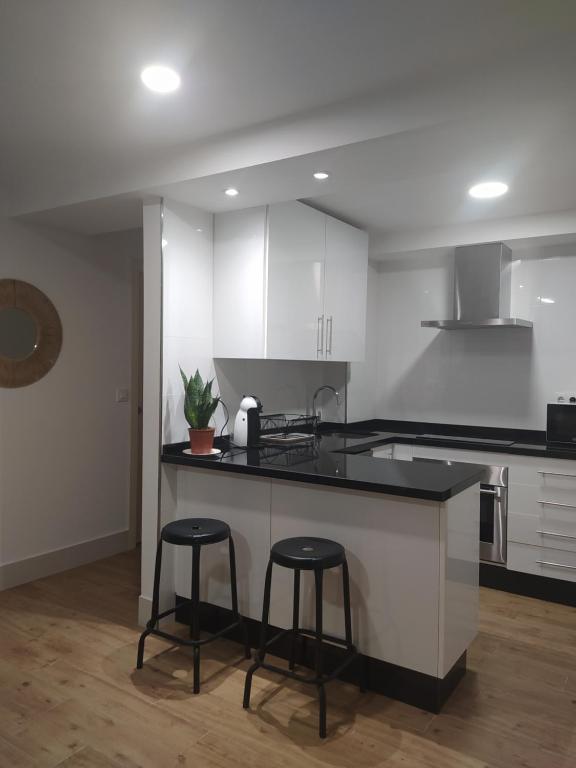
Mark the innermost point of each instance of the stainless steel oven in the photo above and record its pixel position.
(493, 512)
(494, 515)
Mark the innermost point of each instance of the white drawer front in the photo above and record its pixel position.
(559, 487)
(548, 488)
(527, 471)
(535, 500)
(542, 561)
(383, 453)
(552, 529)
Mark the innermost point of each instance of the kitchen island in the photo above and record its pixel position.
(410, 531)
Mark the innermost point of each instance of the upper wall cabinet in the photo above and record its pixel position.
(289, 283)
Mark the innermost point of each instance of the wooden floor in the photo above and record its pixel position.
(70, 697)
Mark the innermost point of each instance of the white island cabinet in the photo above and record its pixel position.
(290, 282)
(413, 565)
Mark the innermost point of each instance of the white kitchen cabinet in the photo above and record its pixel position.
(345, 291)
(290, 283)
(413, 563)
(542, 561)
(541, 509)
(239, 283)
(295, 300)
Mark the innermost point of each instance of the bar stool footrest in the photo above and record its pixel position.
(188, 641)
(351, 655)
(331, 639)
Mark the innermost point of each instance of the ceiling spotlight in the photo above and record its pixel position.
(231, 192)
(321, 175)
(160, 79)
(199, 229)
(545, 300)
(488, 189)
(164, 242)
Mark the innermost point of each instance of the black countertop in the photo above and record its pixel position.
(342, 462)
(343, 459)
(523, 442)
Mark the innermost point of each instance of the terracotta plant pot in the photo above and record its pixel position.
(201, 440)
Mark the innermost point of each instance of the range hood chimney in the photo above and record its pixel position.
(482, 289)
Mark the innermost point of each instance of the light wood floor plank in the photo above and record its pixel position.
(71, 698)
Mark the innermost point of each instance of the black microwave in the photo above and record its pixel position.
(561, 424)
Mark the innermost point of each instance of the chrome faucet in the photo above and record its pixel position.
(324, 386)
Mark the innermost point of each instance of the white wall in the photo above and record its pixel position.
(64, 441)
(492, 377)
(186, 309)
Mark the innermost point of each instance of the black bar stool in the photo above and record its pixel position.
(195, 533)
(306, 554)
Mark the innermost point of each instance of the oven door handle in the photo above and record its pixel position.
(499, 495)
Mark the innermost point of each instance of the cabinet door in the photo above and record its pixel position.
(239, 272)
(346, 291)
(296, 248)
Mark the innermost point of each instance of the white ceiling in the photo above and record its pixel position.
(486, 88)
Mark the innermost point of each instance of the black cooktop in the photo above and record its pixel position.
(456, 439)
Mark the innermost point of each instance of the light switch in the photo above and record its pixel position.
(122, 395)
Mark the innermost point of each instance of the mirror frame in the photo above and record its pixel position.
(16, 294)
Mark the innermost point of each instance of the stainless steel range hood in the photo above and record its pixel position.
(482, 289)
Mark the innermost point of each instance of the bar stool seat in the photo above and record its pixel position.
(193, 532)
(318, 555)
(307, 553)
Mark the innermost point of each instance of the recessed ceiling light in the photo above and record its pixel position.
(545, 300)
(487, 189)
(164, 242)
(231, 192)
(321, 175)
(160, 79)
(199, 229)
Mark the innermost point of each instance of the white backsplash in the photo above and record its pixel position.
(495, 377)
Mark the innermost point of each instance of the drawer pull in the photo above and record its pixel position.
(556, 504)
(560, 535)
(556, 565)
(556, 474)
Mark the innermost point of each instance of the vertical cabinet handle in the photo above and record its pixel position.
(320, 336)
(329, 325)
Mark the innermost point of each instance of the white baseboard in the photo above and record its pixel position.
(32, 568)
(144, 610)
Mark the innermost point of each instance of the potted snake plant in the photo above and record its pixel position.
(199, 407)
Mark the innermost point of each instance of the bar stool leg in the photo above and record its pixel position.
(318, 580)
(195, 618)
(155, 607)
(322, 713)
(363, 677)
(234, 591)
(295, 619)
(263, 636)
(346, 596)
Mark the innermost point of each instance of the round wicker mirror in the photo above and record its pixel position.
(30, 334)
